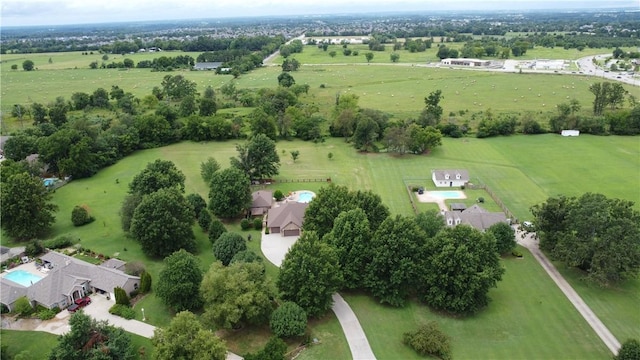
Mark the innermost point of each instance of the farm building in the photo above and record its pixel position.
(207, 65)
(449, 178)
(465, 62)
(570, 132)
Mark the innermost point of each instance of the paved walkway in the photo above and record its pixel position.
(603, 332)
(275, 247)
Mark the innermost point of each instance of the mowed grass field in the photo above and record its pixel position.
(522, 170)
(398, 89)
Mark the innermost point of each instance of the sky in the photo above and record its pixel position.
(61, 12)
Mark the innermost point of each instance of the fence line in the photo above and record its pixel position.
(328, 180)
(495, 198)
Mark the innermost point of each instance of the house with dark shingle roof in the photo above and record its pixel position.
(287, 219)
(261, 202)
(68, 279)
(474, 216)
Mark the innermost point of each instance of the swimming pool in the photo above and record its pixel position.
(447, 194)
(22, 277)
(305, 196)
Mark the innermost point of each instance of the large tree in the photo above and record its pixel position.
(236, 295)
(257, 158)
(162, 222)
(310, 274)
(178, 285)
(395, 254)
(176, 87)
(351, 236)
(459, 266)
(432, 113)
(92, 340)
(26, 211)
(185, 338)
(229, 193)
(601, 236)
(505, 237)
(157, 175)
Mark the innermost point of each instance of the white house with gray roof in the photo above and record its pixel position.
(449, 178)
(68, 279)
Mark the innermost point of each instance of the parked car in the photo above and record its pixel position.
(421, 190)
(79, 303)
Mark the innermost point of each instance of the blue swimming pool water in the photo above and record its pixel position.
(22, 277)
(305, 197)
(447, 194)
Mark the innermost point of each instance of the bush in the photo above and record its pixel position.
(204, 219)
(47, 314)
(80, 216)
(429, 340)
(23, 307)
(630, 350)
(3, 309)
(121, 296)
(197, 203)
(59, 242)
(278, 195)
(257, 223)
(245, 224)
(288, 320)
(275, 349)
(34, 248)
(122, 311)
(227, 246)
(266, 231)
(516, 253)
(215, 230)
(145, 282)
(481, 200)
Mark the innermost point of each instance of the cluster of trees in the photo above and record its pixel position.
(351, 241)
(593, 233)
(156, 213)
(94, 340)
(167, 63)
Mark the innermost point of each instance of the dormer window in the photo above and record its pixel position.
(458, 176)
(446, 176)
(449, 222)
(457, 221)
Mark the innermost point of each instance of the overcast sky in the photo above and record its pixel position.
(57, 12)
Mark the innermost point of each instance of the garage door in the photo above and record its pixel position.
(293, 232)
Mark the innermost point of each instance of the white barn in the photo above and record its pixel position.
(570, 132)
(449, 178)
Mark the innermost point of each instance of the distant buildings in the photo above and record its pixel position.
(465, 62)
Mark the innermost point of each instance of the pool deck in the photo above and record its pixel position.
(29, 267)
(427, 198)
(295, 196)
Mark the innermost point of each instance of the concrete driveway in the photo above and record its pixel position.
(275, 247)
(99, 310)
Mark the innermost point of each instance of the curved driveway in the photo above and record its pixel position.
(603, 332)
(275, 247)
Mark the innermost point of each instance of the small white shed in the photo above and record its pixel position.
(570, 132)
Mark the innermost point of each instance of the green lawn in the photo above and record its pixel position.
(38, 344)
(521, 170)
(528, 318)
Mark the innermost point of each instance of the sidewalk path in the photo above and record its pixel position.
(275, 248)
(603, 332)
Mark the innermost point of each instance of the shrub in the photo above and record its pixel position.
(257, 223)
(274, 349)
(122, 311)
(47, 314)
(228, 245)
(288, 320)
(429, 340)
(197, 203)
(630, 350)
(23, 307)
(3, 309)
(516, 253)
(145, 282)
(278, 195)
(59, 242)
(245, 224)
(121, 296)
(266, 231)
(215, 230)
(481, 199)
(204, 219)
(80, 216)
(34, 248)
